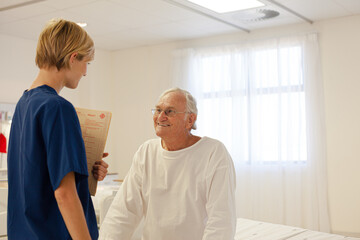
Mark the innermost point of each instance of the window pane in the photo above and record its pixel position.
(291, 66)
(293, 137)
(264, 69)
(255, 104)
(265, 128)
(215, 74)
(215, 118)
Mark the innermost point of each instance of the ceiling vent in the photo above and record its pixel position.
(255, 15)
(10, 4)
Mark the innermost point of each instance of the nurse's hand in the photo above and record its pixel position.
(100, 168)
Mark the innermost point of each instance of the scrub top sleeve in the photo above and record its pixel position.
(65, 148)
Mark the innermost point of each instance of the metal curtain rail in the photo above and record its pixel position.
(19, 5)
(291, 11)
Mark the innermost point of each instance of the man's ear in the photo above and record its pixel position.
(191, 120)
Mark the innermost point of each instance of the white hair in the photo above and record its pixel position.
(190, 101)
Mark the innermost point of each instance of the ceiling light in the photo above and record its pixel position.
(224, 6)
(82, 24)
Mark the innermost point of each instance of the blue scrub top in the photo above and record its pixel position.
(45, 144)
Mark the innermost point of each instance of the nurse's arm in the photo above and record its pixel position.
(71, 208)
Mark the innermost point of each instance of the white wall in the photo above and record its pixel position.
(128, 83)
(340, 45)
(141, 75)
(17, 64)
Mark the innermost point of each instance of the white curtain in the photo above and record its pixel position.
(264, 100)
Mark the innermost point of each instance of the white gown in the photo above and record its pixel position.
(187, 194)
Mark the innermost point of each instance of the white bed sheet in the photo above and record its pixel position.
(254, 230)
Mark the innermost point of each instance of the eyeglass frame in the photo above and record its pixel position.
(156, 112)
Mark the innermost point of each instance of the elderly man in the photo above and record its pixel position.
(182, 185)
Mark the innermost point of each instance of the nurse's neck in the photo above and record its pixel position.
(50, 77)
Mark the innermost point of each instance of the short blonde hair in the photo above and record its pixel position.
(59, 40)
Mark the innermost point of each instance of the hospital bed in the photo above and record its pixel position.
(3, 209)
(255, 230)
(246, 229)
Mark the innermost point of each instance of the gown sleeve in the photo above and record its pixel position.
(126, 210)
(220, 204)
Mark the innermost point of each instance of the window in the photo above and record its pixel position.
(254, 102)
(264, 100)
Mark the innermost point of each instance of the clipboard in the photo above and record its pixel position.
(94, 127)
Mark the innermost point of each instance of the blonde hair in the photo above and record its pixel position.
(59, 40)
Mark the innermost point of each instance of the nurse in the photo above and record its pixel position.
(47, 169)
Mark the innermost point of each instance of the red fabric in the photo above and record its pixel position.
(2, 143)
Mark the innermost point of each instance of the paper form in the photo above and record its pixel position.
(94, 127)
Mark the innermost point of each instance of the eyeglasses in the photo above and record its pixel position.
(168, 112)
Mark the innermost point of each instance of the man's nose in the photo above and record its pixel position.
(162, 115)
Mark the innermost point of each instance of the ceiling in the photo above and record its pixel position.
(119, 24)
